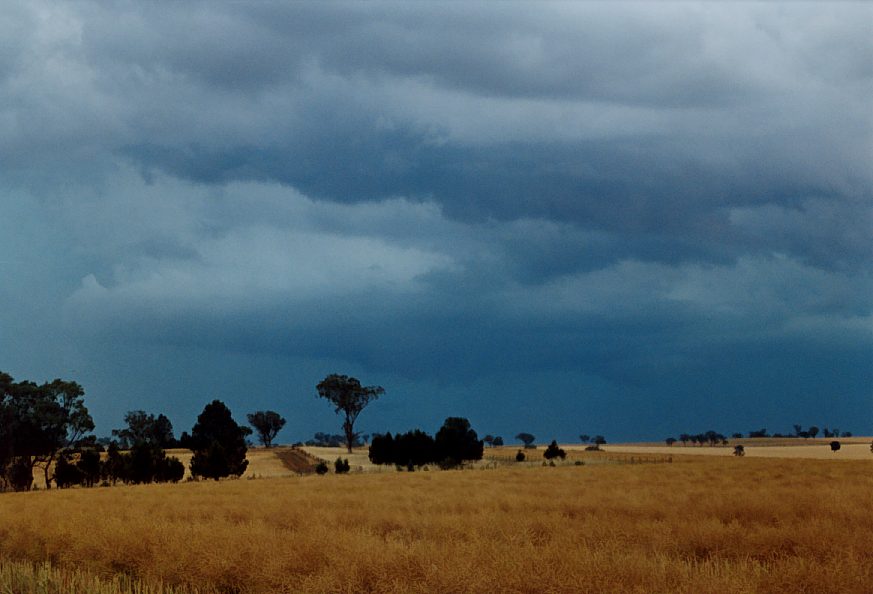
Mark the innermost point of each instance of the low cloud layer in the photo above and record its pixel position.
(617, 218)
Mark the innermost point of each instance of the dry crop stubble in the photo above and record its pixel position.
(707, 525)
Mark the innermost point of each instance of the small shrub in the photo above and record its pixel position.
(739, 450)
(519, 457)
(341, 466)
(321, 468)
(553, 451)
(835, 446)
(579, 463)
(593, 448)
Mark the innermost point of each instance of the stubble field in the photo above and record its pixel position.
(696, 525)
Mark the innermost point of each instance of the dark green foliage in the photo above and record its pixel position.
(414, 448)
(66, 474)
(267, 424)
(89, 467)
(527, 438)
(171, 470)
(341, 466)
(498, 441)
(382, 449)
(456, 442)
(145, 428)
(553, 451)
(739, 451)
(519, 456)
(349, 397)
(599, 440)
(410, 449)
(218, 443)
(114, 467)
(321, 468)
(37, 423)
(835, 446)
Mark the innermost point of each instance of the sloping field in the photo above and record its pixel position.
(726, 525)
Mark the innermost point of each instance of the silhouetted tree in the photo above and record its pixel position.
(89, 466)
(456, 442)
(349, 397)
(527, 438)
(739, 450)
(554, 451)
(341, 466)
(584, 438)
(835, 446)
(498, 441)
(670, 441)
(321, 468)
(382, 449)
(519, 456)
(599, 440)
(267, 424)
(145, 428)
(38, 423)
(737, 435)
(684, 438)
(218, 443)
(415, 448)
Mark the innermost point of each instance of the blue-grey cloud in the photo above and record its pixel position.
(647, 215)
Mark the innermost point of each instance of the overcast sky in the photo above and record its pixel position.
(626, 219)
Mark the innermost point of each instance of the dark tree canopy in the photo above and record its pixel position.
(38, 423)
(456, 441)
(349, 397)
(218, 443)
(145, 428)
(554, 451)
(526, 438)
(267, 424)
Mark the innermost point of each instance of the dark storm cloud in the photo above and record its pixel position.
(620, 207)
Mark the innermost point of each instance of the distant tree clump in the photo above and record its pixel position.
(145, 428)
(739, 450)
(554, 451)
(584, 438)
(321, 468)
(670, 441)
(218, 443)
(267, 424)
(599, 440)
(349, 397)
(341, 466)
(455, 443)
(526, 438)
(498, 441)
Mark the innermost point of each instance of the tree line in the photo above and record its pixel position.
(714, 438)
(44, 427)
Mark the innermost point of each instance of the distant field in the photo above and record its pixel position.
(852, 448)
(705, 524)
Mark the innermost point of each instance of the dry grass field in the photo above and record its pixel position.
(721, 525)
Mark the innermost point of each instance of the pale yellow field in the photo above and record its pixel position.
(851, 449)
(725, 525)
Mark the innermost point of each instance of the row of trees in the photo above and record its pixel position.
(714, 438)
(454, 443)
(44, 427)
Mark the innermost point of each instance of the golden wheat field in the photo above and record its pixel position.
(698, 525)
